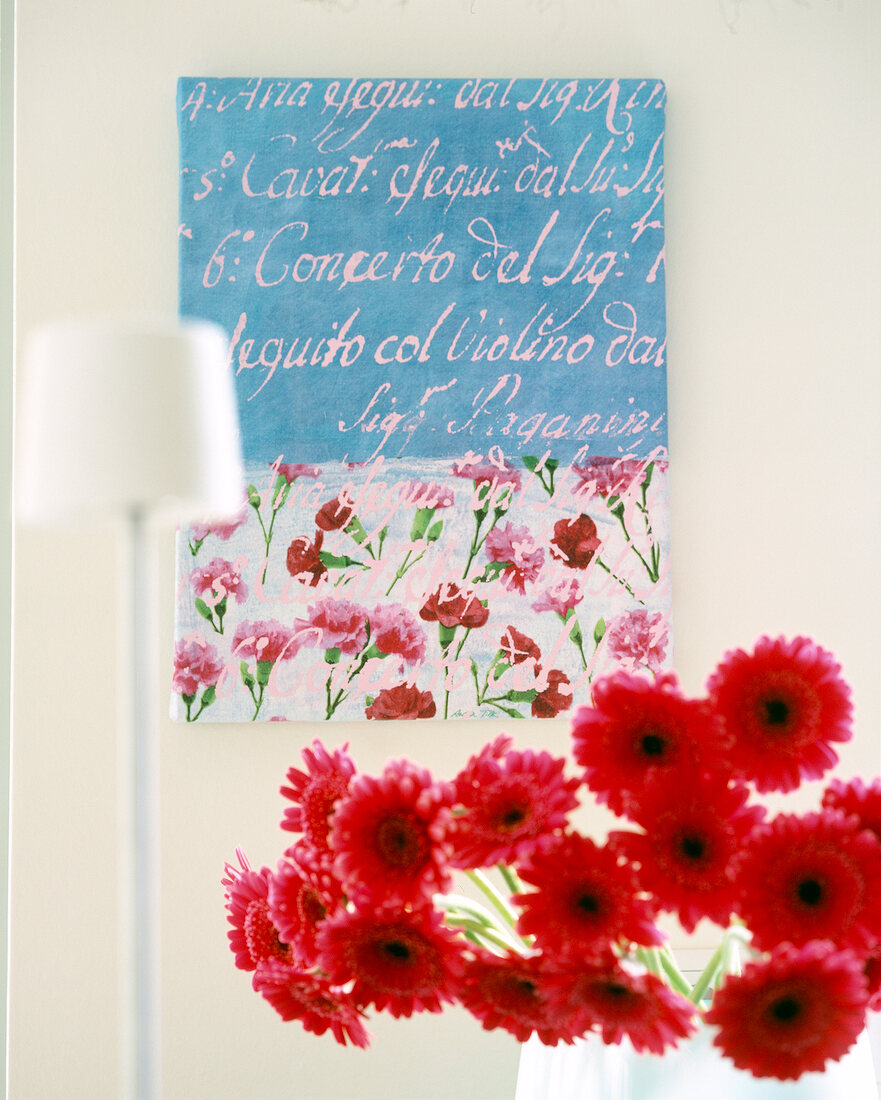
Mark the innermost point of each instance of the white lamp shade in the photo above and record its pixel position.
(118, 415)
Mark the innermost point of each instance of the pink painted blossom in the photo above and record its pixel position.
(610, 477)
(396, 630)
(516, 546)
(485, 470)
(200, 531)
(638, 639)
(343, 624)
(560, 597)
(220, 578)
(290, 471)
(196, 664)
(265, 640)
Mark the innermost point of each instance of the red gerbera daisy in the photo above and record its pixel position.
(388, 836)
(301, 894)
(783, 704)
(511, 992)
(586, 899)
(404, 962)
(815, 877)
(511, 801)
(856, 798)
(686, 854)
(638, 729)
(297, 995)
(792, 1013)
(253, 936)
(316, 792)
(618, 1003)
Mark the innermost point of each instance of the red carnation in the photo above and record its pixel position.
(404, 701)
(334, 514)
(518, 647)
(792, 1013)
(303, 559)
(576, 541)
(783, 705)
(454, 605)
(556, 696)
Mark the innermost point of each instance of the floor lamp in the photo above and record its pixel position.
(133, 419)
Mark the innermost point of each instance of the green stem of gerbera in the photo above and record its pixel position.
(677, 979)
(708, 975)
(510, 876)
(501, 906)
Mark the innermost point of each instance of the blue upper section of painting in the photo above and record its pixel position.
(430, 267)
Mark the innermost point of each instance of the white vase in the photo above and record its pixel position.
(590, 1070)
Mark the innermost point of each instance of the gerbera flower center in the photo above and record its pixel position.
(653, 744)
(311, 906)
(776, 711)
(692, 846)
(785, 1008)
(810, 891)
(397, 950)
(261, 934)
(588, 903)
(401, 841)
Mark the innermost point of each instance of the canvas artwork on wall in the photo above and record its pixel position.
(445, 308)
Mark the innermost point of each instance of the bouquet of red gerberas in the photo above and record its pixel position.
(360, 910)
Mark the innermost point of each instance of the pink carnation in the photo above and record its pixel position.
(267, 640)
(560, 597)
(394, 629)
(638, 639)
(196, 663)
(516, 546)
(610, 477)
(200, 531)
(343, 624)
(484, 469)
(220, 578)
(290, 471)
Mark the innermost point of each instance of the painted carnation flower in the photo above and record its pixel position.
(298, 995)
(610, 477)
(335, 514)
(388, 836)
(688, 849)
(638, 729)
(792, 1013)
(783, 704)
(303, 559)
(223, 530)
(619, 1004)
(220, 579)
(507, 803)
(638, 639)
(484, 470)
(290, 471)
(196, 664)
(518, 647)
(394, 629)
(399, 961)
(516, 547)
(811, 877)
(512, 992)
(315, 793)
(343, 624)
(454, 605)
(585, 900)
(556, 697)
(575, 541)
(253, 937)
(560, 597)
(403, 702)
(266, 640)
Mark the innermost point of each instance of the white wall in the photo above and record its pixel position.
(773, 243)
